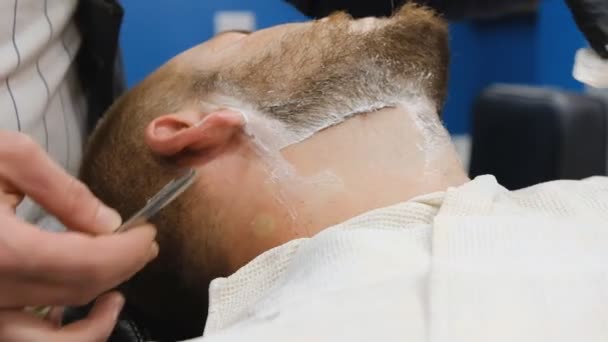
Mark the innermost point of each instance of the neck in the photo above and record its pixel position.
(368, 162)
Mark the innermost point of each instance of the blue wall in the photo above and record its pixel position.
(154, 31)
(537, 49)
(484, 53)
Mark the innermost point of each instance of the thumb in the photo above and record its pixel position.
(27, 168)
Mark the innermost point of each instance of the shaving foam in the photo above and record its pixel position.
(269, 136)
(433, 136)
(275, 135)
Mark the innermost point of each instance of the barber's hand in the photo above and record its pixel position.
(591, 16)
(39, 268)
(16, 325)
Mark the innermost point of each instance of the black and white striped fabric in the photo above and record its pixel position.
(39, 90)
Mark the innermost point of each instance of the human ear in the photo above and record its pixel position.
(192, 132)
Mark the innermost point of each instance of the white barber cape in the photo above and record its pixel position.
(474, 263)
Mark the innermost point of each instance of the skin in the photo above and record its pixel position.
(42, 268)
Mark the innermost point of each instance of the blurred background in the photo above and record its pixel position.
(513, 104)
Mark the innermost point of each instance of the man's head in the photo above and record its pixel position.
(290, 81)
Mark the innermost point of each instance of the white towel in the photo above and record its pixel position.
(476, 263)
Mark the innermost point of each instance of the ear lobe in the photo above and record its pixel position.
(171, 134)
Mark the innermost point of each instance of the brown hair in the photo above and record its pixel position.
(120, 170)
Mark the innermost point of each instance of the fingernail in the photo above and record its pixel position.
(153, 251)
(108, 219)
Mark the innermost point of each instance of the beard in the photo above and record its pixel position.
(321, 74)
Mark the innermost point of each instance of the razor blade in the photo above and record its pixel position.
(162, 198)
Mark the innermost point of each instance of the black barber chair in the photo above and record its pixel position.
(527, 135)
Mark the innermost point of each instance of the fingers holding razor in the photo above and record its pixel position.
(46, 268)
